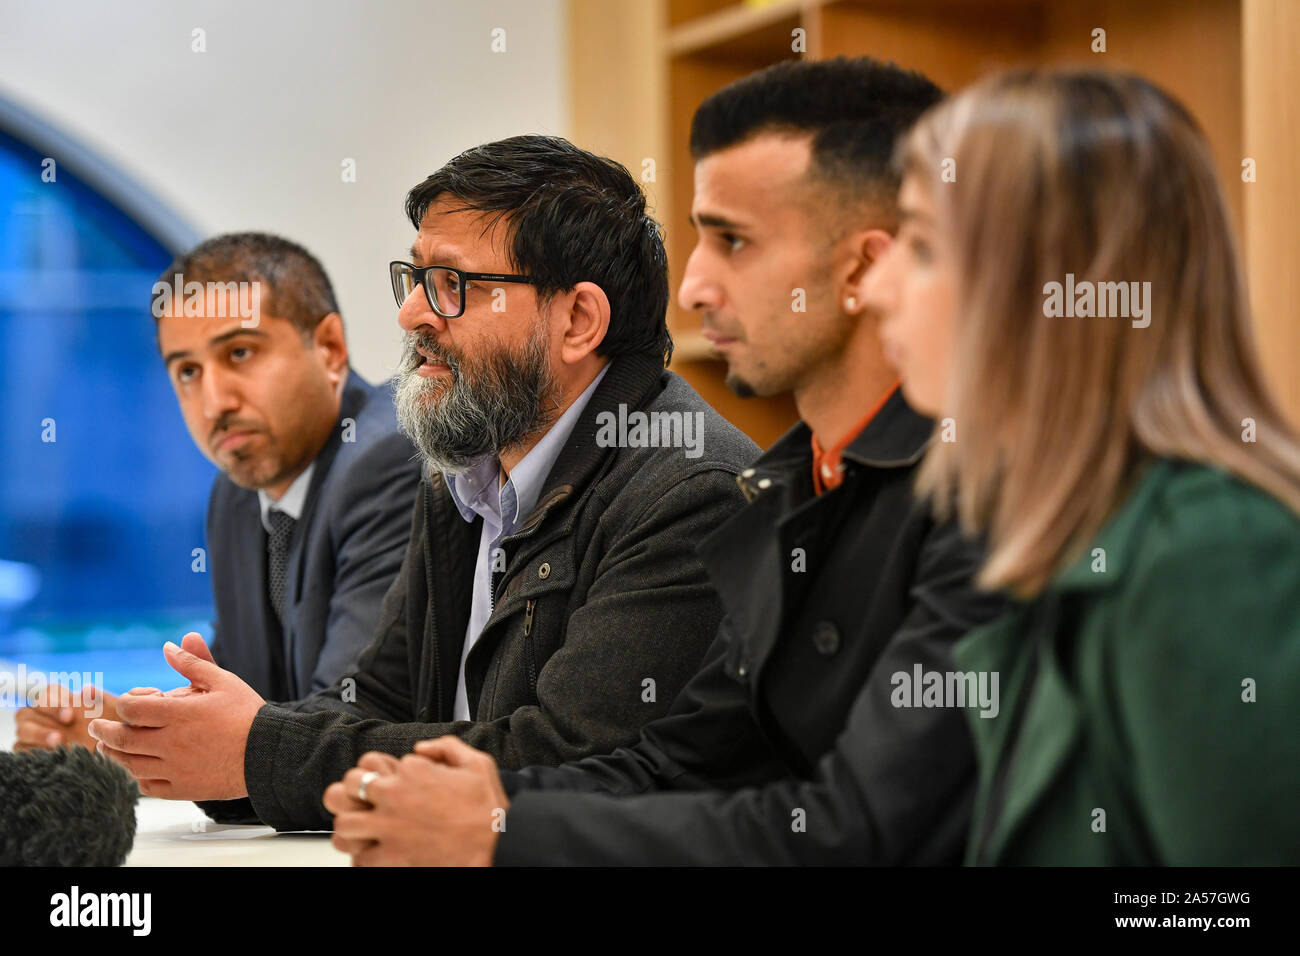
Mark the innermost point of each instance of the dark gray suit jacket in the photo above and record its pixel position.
(345, 551)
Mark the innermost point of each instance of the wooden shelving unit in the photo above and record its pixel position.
(1232, 62)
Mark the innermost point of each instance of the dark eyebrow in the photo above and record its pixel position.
(714, 221)
(216, 340)
(443, 258)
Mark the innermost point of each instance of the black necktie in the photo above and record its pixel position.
(277, 558)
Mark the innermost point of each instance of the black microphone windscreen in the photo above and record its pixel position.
(65, 807)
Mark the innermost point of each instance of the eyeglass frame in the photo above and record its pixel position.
(420, 272)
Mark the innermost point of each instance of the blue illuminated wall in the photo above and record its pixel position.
(96, 527)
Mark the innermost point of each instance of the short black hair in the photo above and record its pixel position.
(296, 286)
(572, 217)
(856, 109)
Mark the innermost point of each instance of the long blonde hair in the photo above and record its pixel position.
(1105, 177)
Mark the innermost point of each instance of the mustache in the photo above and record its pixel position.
(425, 342)
(709, 323)
(227, 423)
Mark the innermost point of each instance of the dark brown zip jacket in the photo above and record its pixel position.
(601, 614)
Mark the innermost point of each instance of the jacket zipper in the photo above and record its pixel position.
(498, 577)
(431, 625)
(530, 654)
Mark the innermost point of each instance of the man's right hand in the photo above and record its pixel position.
(59, 717)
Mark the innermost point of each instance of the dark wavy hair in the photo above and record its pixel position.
(572, 217)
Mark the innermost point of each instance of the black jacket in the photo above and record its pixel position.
(344, 554)
(786, 747)
(602, 614)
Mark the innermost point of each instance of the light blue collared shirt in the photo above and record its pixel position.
(475, 492)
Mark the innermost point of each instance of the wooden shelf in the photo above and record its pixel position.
(738, 32)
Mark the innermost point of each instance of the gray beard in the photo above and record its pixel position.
(487, 406)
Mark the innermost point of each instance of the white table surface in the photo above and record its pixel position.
(177, 833)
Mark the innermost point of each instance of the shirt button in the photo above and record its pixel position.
(826, 638)
(765, 483)
(747, 473)
(544, 570)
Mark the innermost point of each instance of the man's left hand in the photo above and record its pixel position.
(186, 744)
(440, 806)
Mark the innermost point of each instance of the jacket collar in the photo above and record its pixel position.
(1048, 701)
(627, 382)
(479, 491)
(754, 590)
(356, 393)
(1034, 693)
(895, 438)
(1118, 537)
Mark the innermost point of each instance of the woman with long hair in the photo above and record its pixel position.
(1065, 297)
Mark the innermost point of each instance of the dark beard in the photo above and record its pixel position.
(487, 407)
(739, 387)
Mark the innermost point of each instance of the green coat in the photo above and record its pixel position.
(1134, 681)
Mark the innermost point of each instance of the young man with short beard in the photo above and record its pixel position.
(550, 601)
(794, 743)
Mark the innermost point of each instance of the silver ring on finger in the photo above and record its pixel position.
(366, 779)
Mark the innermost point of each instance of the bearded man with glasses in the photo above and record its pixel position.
(551, 601)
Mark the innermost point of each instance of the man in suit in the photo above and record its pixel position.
(310, 516)
(792, 744)
(551, 601)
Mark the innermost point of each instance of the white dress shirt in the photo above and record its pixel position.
(291, 502)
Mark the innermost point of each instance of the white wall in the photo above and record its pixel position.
(251, 133)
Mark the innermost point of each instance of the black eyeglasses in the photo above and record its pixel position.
(443, 286)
